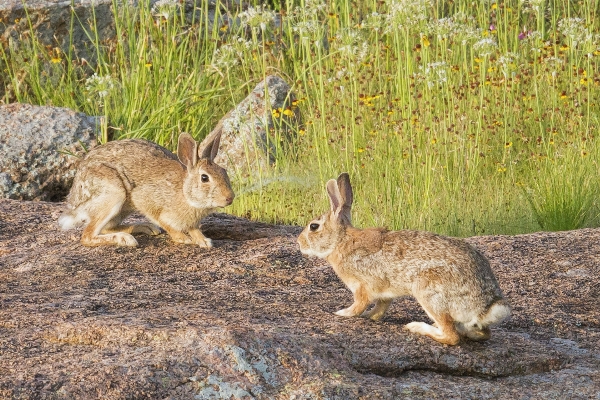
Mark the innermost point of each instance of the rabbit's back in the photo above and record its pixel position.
(131, 154)
(440, 267)
(405, 262)
(135, 163)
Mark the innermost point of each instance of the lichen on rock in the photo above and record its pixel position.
(39, 149)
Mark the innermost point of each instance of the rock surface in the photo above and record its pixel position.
(252, 318)
(51, 20)
(39, 147)
(249, 139)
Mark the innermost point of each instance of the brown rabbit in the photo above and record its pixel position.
(450, 279)
(119, 177)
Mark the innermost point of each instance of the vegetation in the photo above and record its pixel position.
(457, 117)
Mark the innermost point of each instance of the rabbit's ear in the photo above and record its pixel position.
(211, 149)
(335, 199)
(187, 150)
(345, 190)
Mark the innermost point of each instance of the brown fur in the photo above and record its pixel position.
(120, 177)
(451, 280)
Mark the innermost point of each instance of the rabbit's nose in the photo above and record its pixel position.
(229, 200)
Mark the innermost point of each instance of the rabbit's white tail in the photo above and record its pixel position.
(479, 327)
(73, 219)
(497, 313)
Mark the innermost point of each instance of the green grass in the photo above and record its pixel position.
(449, 117)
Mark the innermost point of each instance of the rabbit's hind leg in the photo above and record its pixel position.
(104, 210)
(443, 331)
(380, 308)
(146, 228)
(474, 332)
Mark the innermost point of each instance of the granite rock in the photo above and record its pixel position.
(39, 149)
(51, 20)
(249, 139)
(253, 318)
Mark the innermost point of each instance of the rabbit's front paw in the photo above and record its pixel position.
(124, 239)
(200, 239)
(345, 312)
(206, 242)
(181, 238)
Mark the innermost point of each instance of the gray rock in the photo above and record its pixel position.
(253, 318)
(248, 138)
(39, 148)
(51, 20)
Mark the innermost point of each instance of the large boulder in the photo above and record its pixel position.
(39, 149)
(51, 20)
(250, 138)
(253, 318)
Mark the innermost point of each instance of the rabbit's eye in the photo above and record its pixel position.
(204, 178)
(314, 227)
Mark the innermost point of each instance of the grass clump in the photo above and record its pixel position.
(455, 117)
(563, 195)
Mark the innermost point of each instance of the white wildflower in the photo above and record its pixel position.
(99, 85)
(435, 73)
(339, 75)
(533, 40)
(405, 14)
(575, 31)
(225, 57)
(350, 44)
(374, 22)
(467, 34)
(554, 65)
(443, 28)
(307, 30)
(508, 63)
(240, 44)
(164, 8)
(554, 62)
(257, 17)
(311, 8)
(533, 5)
(460, 27)
(485, 47)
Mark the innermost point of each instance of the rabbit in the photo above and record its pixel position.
(119, 177)
(450, 279)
